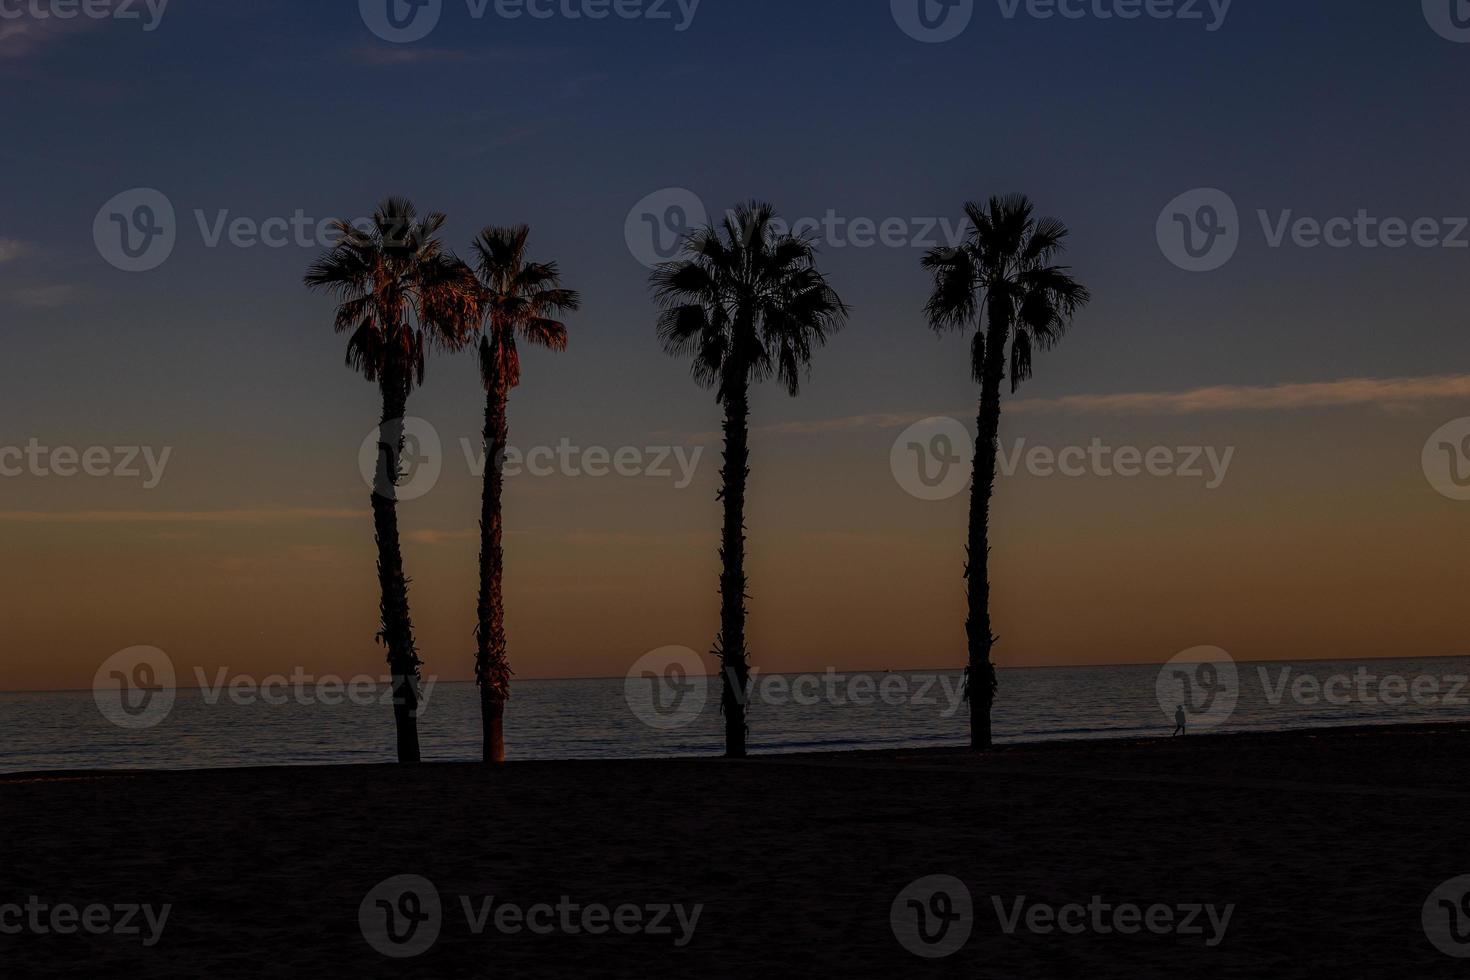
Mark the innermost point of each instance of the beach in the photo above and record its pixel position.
(1301, 854)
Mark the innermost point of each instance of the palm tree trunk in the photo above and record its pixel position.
(980, 672)
(397, 626)
(492, 670)
(734, 663)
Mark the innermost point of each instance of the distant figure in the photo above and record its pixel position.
(1179, 721)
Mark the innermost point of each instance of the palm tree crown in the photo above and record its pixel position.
(518, 298)
(399, 291)
(747, 303)
(1001, 278)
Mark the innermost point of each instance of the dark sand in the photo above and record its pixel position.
(1328, 844)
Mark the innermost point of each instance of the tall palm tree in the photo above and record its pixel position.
(745, 303)
(518, 299)
(399, 292)
(1001, 281)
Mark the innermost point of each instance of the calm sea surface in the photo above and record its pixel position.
(591, 719)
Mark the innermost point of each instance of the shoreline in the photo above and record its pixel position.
(1041, 747)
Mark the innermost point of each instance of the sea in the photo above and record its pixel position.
(302, 724)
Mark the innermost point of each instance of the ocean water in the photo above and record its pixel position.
(592, 719)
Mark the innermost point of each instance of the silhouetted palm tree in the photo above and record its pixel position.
(1002, 282)
(745, 304)
(399, 292)
(519, 299)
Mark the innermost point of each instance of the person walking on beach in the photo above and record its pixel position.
(1179, 721)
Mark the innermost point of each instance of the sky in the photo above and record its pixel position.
(1323, 380)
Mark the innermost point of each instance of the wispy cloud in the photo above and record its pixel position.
(379, 56)
(13, 248)
(281, 516)
(846, 424)
(1386, 393)
(440, 537)
(44, 297)
(24, 36)
(811, 427)
(1389, 394)
(391, 55)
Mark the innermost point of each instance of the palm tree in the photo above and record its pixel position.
(398, 293)
(745, 304)
(1002, 281)
(518, 299)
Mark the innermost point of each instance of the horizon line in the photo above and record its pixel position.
(910, 670)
